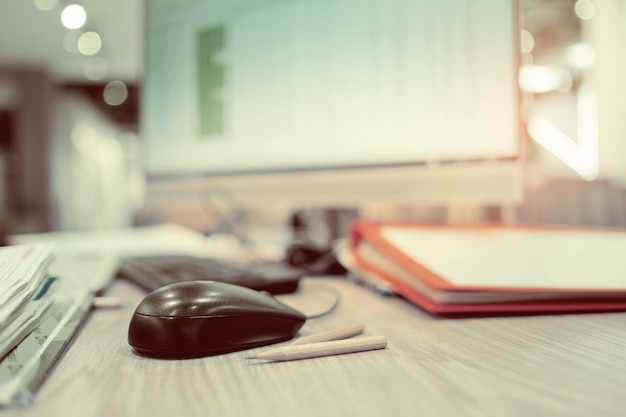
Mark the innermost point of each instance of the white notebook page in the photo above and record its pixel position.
(518, 258)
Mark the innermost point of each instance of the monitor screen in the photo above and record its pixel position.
(287, 89)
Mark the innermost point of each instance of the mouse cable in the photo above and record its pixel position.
(330, 309)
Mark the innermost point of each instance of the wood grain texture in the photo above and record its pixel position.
(558, 365)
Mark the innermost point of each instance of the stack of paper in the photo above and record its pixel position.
(486, 268)
(25, 291)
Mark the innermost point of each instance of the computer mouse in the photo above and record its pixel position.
(206, 318)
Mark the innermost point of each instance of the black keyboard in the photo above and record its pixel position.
(154, 271)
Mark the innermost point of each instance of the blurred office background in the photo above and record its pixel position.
(71, 146)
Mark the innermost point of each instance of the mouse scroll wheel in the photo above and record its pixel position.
(269, 294)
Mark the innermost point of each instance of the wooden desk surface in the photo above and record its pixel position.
(560, 365)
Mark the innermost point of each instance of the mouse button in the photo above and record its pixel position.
(181, 300)
(235, 300)
(248, 306)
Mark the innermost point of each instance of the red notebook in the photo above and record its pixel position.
(489, 268)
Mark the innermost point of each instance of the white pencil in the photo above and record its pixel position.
(335, 334)
(315, 350)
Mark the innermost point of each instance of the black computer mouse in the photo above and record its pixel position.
(205, 318)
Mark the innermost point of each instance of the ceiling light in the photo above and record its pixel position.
(73, 16)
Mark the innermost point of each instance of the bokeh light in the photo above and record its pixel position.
(543, 79)
(73, 16)
(584, 9)
(46, 5)
(527, 41)
(89, 43)
(580, 55)
(115, 93)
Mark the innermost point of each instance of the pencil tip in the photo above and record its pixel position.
(251, 357)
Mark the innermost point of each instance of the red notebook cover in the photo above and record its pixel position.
(512, 269)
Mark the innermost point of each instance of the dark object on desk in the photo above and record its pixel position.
(313, 260)
(155, 271)
(205, 318)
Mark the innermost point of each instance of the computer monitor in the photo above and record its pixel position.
(333, 103)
